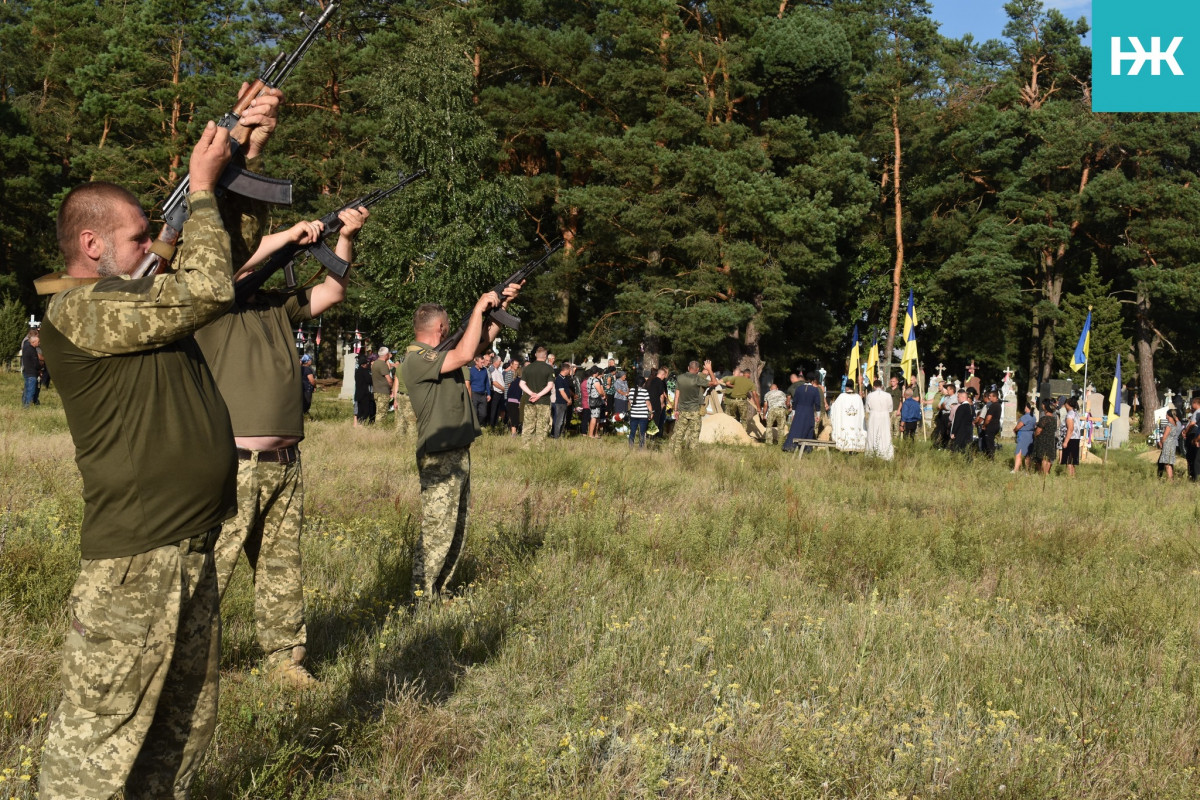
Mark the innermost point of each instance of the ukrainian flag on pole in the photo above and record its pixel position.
(909, 359)
(1114, 397)
(873, 359)
(853, 371)
(1079, 360)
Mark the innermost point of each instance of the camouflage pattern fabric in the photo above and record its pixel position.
(406, 419)
(139, 679)
(687, 431)
(738, 409)
(536, 423)
(445, 496)
(267, 529)
(776, 423)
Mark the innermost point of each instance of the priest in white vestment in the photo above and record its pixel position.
(879, 423)
(846, 418)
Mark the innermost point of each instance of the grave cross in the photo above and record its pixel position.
(941, 368)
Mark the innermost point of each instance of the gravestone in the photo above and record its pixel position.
(1118, 432)
(1008, 409)
(973, 381)
(1095, 404)
(349, 363)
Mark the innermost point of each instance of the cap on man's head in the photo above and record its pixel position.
(305, 359)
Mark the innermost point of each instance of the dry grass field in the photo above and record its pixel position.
(732, 624)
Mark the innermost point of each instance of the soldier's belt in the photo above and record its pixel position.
(284, 455)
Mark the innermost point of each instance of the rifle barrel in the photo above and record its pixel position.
(306, 43)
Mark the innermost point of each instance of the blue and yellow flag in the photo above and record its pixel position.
(873, 359)
(909, 359)
(854, 360)
(1114, 397)
(1085, 340)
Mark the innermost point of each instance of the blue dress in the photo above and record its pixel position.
(1025, 435)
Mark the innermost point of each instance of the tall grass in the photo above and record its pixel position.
(734, 623)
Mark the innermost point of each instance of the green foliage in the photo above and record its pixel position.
(1107, 338)
(14, 325)
(450, 236)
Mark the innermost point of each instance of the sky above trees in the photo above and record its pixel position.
(985, 19)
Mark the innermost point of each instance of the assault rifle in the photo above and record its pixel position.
(236, 178)
(283, 258)
(499, 314)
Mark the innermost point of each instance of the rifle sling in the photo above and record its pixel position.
(57, 282)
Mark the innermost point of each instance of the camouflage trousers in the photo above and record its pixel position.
(741, 410)
(776, 425)
(536, 423)
(687, 431)
(406, 419)
(445, 496)
(139, 676)
(267, 529)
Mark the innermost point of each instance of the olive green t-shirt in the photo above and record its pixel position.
(379, 376)
(689, 391)
(252, 354)
(742, 387)
(441, 402)
(536, 376)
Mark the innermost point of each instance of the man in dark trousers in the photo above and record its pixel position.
(31, 368)
(962, 425)
(657, 387)
(989, 424)
(1191, 439)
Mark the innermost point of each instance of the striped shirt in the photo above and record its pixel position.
(639, 403)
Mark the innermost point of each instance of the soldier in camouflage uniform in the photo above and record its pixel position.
(689, 405)
(537, 384)
(256, 368)
(406, 421)
(777, 411)
(741, 398)
(446, 427)
(155, 449)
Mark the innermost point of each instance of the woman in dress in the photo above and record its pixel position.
(1024, 430)
(1169, 444)
(1045, 436)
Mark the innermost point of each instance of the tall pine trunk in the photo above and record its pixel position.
(1146, 342)
(895, 318)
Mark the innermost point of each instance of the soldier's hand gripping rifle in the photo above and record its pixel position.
(283, 258)
(236, 177)
(499, 314)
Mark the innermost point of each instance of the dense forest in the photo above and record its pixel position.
(739, 179)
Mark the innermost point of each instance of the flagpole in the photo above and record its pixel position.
(1087, 410)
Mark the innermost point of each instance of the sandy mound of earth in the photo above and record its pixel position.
(723, 429)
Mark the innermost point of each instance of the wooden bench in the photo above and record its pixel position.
(803, 444)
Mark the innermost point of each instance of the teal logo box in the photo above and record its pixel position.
(1145, 55)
